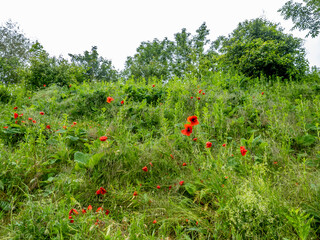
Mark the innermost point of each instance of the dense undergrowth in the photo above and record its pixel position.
(58, 162)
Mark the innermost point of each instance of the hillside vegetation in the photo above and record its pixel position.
(60, 180)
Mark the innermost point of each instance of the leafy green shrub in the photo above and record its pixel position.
(5, 95)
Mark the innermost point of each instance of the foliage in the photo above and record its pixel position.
(305, 16)
(259, 47)
(14, 52)
(97, 68)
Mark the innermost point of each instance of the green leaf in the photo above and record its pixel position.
(81, 158)
(191, 189)
(95, 159)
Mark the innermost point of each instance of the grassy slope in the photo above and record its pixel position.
(272, 192)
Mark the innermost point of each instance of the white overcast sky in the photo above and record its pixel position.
(118, 27)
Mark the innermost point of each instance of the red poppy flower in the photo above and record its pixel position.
(44, 85)
(73, 211)
(41, 113)
(181, 183)
(223, 145)
(197, 223)
(109, 99)
(15, 108)
(5, 127)
(203, 93)
(122, 102)
(170, 187)
(107, 212)
(154, 221)
(89, 207)
(200, 90)
(158, 187)
(34, 121)
(275, 162)
(195, 139)
(64, 127)
(135, 193)
(30, 119)
(262, 93)
(208, 144)
(153, 85)
(69, 85)
(103, 138)
(71, 221)
(101, 191)
(151, 164)
(198, 98)
(193, 120)
(16, 115)
(188, 130)
(243, 151)
(145, 169)
(191, 97)
(184, 164)
(84, 211)
(99, 209)
(171, 156)
(74, 123)
(21, 115)
(187, 220)
(29, 97)
(48, 127)
(98, 192)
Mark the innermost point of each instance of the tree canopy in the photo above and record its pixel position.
(305, 16)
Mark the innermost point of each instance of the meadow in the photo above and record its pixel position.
(110, 160)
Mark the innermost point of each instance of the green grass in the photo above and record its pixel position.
(273, 192)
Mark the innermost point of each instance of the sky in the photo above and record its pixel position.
(118, 27)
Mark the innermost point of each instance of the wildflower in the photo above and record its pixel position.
(74, 123)
(99, 209)
(181, 183)
(44, 85)
(34, 121)
(262, 93)
(275, 163)
(200, 90)
(73, 211)
(21, 115)
(170, 187)
(187, 220)
(103, 138)
(135, 193)
(84, 211)
(29, 97)
(191, 97)
(71, 221)
(151, 164)
(154, 221)
(223, 145)
(15, 108)
(195, 139)
(193, 120)
(5, 127)
(16, 115)
(197, 223)
(198, 98)
(122, 102)
(145, 169)
(107, 212)
(208, 144)
(101, 191)
(203, 93)
(41, 113)
(188, 130)
(30, 119)
(243, 151)
(89, 207)
(158, 187)
(184, 164)
(48, 127)
(70, 86)
(109, 99)
(171, 156)
(64, 127)
(226, 177)
(153, 85)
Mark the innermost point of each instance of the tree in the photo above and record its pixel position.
(259, 47)
(164, 59)
(14, 52)
(97, 68)
(305, 16)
